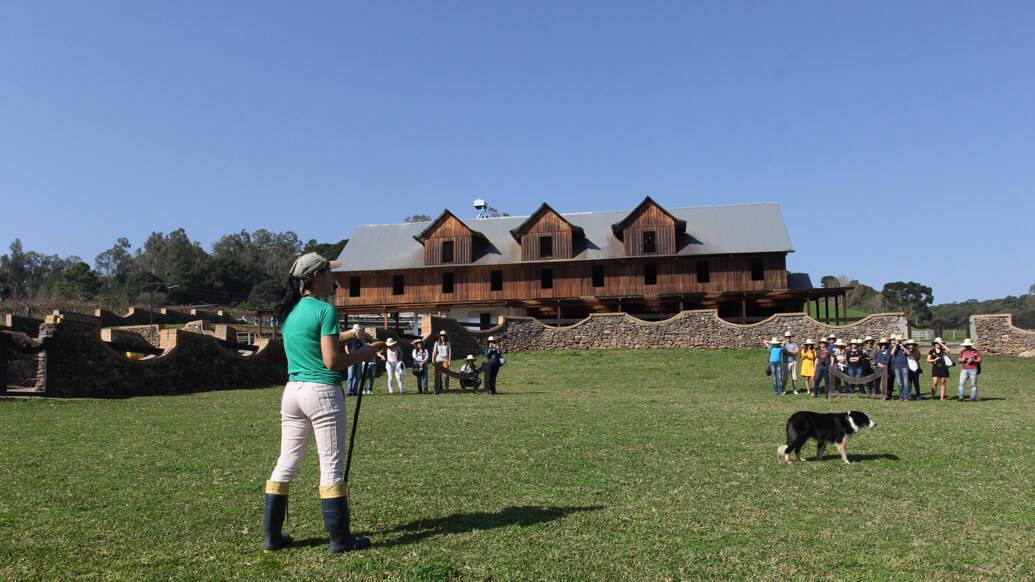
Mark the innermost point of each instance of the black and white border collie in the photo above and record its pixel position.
(834, 427)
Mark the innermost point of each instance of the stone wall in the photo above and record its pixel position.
(689, 329)
(30, 326)
(996, 334)
(78, 363)
(142, 316)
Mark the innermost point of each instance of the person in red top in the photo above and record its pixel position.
(970, 365)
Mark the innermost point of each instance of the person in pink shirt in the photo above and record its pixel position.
(970, 366)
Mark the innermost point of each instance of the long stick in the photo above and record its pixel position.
(355, 421)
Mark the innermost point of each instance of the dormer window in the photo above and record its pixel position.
(545, 247)
(650, 241)
(447, 251)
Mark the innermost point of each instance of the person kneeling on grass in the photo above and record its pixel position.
(470, 372)
(313, 403)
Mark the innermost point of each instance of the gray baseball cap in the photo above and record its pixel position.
(310, 263)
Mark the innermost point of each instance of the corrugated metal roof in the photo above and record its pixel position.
(710, 230)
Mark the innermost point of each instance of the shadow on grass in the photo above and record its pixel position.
(854, 458)
(420, 529)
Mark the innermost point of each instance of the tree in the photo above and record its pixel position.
(912, 298)
(77, 282)
(417, 218)
(326, 250)
(1031, 290)
(829, 282)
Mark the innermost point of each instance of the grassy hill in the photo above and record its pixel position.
(593, 465)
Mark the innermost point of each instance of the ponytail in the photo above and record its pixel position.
(291, 295)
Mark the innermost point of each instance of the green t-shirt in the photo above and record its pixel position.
(310, 320)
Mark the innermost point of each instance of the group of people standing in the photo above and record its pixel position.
(361, 375)
(899, 358)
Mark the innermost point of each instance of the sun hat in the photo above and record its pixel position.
(868, 338)
(823, 340)
(897, 336)
(853, 342)
(883, 340)
(310, 263)
(391, 342)
(967, 342)
(443, 332)
(356, 327)
(492, 338)
(910, 342)
(469, 357)
(937, 340)
(787, 333)
(775, 340)
(840, 342)
(832, 336)
(809, 342)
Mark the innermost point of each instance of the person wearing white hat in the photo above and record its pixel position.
(442, 354)
(470, 374)
(355, 370)
(882, 361)
(493, 361)
(313, 403)
(808, 364)
(939, 366)
(420, 357)
(900, 368)
(970, 367)
(790, 361)
(775, 365)
(824, 359)
(914, 367)
(394, 366)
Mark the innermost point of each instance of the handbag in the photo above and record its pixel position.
(769, 369)
(503, 360)
(913, 365)
(948, 361)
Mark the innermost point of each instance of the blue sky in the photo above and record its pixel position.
(898, 137)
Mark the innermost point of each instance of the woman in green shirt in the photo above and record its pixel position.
(313, 403)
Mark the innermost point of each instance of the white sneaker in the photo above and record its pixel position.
(795, 391)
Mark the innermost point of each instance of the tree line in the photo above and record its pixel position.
(916, 301)
(245, 270)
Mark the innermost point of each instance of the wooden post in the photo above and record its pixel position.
(743, 309)
(558, 322)
(837, 312)
(386, 320)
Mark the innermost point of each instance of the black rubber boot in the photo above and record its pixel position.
(336, 520)
(276, 507)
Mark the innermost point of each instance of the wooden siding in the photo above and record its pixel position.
(650, 218)
(451, 229)
(549, 224)
(622, 278)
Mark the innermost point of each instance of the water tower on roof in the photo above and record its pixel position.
(482, 208)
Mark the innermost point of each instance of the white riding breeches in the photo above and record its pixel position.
(312, 408)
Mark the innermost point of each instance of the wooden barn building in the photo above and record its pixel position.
(649, 261)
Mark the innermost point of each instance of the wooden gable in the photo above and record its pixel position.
(546, 223)
(446, 234)
(649, 230)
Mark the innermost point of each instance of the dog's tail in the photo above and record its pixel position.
(781, 450)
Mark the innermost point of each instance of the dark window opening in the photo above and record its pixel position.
(497, 281)
(484, 321)
(545, 247)
(546, 278)
(650, 241)
(447, 282)
(598, 276)
(353, 286)
(757, 270)
(398, 285)
(704, 272)
(447, 251)
(650, 274)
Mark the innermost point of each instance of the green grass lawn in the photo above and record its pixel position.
(820, 311)
(594, 465)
